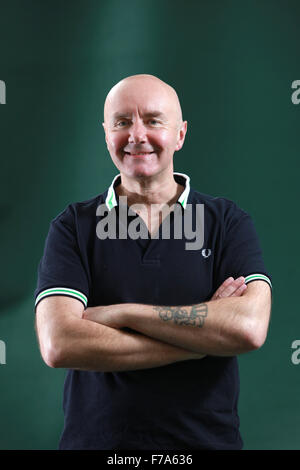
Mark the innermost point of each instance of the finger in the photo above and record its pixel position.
(240, 290)
(222, 287)
(230, 289)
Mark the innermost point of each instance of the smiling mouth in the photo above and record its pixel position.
(140, 154)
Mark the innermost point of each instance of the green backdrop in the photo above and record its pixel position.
(232, 64)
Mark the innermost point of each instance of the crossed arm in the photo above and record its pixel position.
(226, 325)
(235, 320)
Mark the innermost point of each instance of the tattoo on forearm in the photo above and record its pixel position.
(194, 315)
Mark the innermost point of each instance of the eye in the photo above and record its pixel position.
(121, 123)
(153, 121)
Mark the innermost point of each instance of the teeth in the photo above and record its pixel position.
(140, 153)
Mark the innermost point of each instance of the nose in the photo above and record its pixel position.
(137, 132)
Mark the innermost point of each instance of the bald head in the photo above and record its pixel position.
(143, 88)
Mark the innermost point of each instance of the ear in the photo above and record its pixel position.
(181, 136)
(103, 124)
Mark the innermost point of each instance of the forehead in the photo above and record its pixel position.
(146, 97)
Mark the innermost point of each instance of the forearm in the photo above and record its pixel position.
(218, 327)
(86, 345)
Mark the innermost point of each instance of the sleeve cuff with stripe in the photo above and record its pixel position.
(258, 277)
(62, 291)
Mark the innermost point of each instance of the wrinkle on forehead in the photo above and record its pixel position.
(131, 82)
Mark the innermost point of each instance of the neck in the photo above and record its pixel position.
(161, 189)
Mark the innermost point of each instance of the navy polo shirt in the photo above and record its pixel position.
(190, 404)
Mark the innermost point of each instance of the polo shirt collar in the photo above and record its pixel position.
(111, 199)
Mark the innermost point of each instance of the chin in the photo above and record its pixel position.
(141, 174)
(140, 171)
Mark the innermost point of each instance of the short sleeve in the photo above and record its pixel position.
(241, 254)
(61, 270)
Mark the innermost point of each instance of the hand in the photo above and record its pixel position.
(230, 288)
(108, 315)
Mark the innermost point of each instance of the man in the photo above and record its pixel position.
(148, 328)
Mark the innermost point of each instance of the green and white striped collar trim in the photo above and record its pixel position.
(111, 200)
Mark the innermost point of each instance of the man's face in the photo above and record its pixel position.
(143, 127)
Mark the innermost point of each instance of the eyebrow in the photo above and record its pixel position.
(118, 115)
